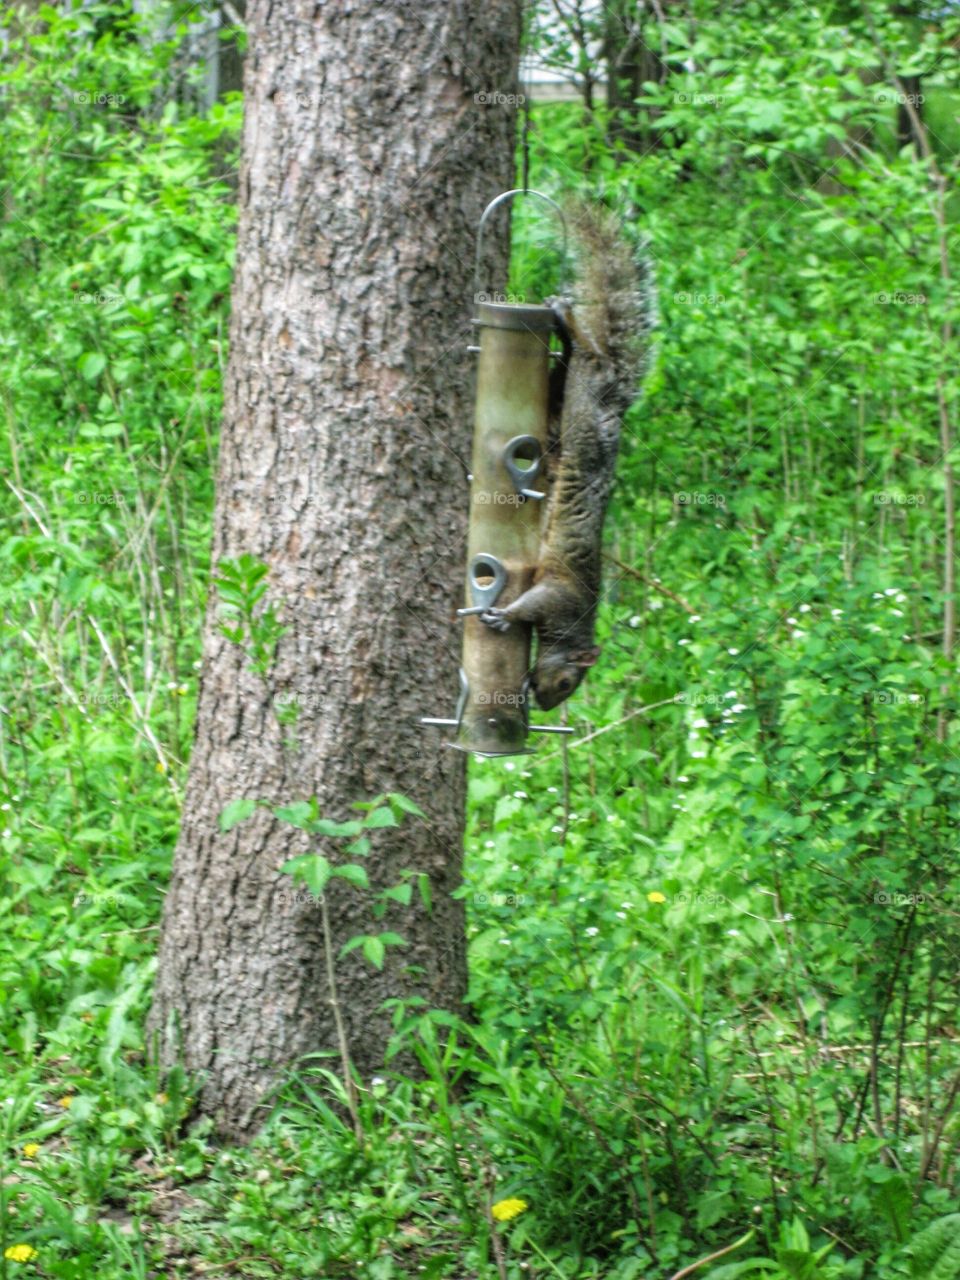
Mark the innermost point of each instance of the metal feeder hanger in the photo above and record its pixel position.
(506, 509)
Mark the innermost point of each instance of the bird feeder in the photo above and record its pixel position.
(507, 493)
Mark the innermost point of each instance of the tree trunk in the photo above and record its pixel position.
(366, 163)
(632, 61)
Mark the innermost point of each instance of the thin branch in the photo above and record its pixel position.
(653, 583)
(721, 1253)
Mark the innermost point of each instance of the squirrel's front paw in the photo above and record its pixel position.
(494, 618)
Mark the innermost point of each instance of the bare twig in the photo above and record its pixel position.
(721, 1253)
(653, 583)
(143, 724)
(348, 1081)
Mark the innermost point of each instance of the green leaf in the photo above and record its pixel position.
(122, 1025)
(380, 817)
(426, 893)
(353, 872)
(399, 893)
(324, 827)
(234, 634)
(712, 1208)
(312, 868)
(935, 1252)
(374, 951)
(404, 804)
(235, 812)
(300, 814)
(91, 364)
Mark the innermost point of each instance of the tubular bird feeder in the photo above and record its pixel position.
(508, 486)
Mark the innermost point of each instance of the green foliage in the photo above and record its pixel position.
(316, 871)
(935, 1252)
(241, 587)
(115, 263)
(794, 1260)
(715, 990)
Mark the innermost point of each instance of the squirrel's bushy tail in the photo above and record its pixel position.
(614, 296)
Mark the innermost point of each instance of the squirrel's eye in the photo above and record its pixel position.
(564, 684)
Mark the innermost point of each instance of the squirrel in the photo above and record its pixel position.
(603, 351)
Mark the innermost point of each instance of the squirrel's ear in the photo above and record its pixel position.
(586, 657)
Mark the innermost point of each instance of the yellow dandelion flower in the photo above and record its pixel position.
(20, 1252)
(30, 1149)
(160, 767)
(66, 1101)
(161, 1099)
(656, 896)
(504, 1210)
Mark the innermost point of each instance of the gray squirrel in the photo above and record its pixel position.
(604, 347)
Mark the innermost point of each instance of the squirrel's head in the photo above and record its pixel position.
(558, 673)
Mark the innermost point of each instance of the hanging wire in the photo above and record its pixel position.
(525, 79)
(494, 204)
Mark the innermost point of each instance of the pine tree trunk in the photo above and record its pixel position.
(366, 163)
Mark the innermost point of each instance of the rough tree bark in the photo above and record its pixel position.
(366, 163)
